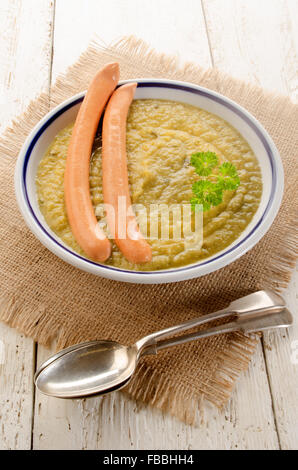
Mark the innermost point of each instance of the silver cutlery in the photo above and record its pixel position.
(99, 367)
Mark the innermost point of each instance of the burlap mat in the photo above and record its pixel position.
(46, 298)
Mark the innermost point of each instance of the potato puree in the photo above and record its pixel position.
(161, 136)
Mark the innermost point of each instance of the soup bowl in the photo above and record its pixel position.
(261, 143)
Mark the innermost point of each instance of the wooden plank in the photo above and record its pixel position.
(260, 44)
(166, 25)
(25, 53)
(16, 389)
(25, 56)
(281, 352)
(255, 41)
(114, 421)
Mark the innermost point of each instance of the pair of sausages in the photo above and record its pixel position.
(80, 212)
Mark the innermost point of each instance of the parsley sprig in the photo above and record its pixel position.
(228, 177)
(204, 162)
(208, 191)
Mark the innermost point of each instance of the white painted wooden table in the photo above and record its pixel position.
(253, 40)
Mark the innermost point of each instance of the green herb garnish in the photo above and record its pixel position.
(228, 177)
(207, 194)
(208, 191)
(204, 162)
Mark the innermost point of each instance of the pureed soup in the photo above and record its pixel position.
(161, 137)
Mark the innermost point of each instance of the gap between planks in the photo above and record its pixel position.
(50, 79)
(207, 33)
(271, 393)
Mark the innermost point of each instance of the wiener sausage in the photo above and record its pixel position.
(78, 202)
(121, 222)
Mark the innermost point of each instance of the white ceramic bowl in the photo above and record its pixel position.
(259, 140)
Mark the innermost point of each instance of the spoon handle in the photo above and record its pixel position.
(152, 338)
(144, 344)
(216, 330)
(246, 308)
(274, 319)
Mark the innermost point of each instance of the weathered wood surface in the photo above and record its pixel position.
(25, 58)
(256, 41)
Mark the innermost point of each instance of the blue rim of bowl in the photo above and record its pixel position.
(147, 84)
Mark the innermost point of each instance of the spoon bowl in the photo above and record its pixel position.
(107, 366)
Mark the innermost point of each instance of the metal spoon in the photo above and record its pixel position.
(99, 367)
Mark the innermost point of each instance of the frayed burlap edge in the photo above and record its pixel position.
(146, 386)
